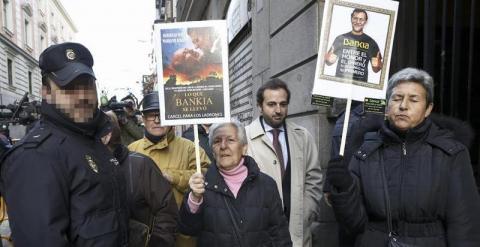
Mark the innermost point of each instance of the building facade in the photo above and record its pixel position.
(27, 27)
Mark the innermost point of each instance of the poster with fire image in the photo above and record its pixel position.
(192, 72)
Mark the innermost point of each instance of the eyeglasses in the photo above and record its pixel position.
(152, 117)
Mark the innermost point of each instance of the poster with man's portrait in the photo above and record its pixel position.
(355, 48)
(192, 72)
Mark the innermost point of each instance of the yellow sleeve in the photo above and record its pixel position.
(181, 177)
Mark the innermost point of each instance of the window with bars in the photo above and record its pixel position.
(10, 71)
(30, 86)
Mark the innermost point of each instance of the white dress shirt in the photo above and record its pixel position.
(281, 139)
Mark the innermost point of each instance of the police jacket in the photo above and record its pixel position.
(149, 196)
(434, 199)
(257, 210)
(63, 187)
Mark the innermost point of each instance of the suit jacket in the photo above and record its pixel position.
(306, 174)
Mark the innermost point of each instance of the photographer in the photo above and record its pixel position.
(128, 118)
(130, 122)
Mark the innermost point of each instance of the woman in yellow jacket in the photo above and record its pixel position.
(175, 156)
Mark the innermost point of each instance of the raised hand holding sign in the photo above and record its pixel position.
(338, 174)
(197, 185)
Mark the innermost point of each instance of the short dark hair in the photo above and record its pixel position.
(357, 10)
(46, 82)
(272, 84)
(412, 75)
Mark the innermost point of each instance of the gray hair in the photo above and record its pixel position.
(241, 134)
(412, 75)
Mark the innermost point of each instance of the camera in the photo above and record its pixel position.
(22, 112)
(118, 107)
(125, 109)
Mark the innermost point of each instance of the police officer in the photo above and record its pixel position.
(61, 184)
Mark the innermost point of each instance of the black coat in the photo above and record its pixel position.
(202, 139)
(257, 209)
(149, 196)
(63, 187)
(433, 195)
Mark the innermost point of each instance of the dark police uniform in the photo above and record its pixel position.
(63, 187)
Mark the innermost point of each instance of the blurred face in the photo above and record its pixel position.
(227, 149)
(78, 100)
(274, 107)
(359, 20)
(201, 40)
(151, 120)
(407, 106)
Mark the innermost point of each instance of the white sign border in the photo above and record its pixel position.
(219, 24)
(336, 87)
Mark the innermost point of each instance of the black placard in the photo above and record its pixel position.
(321, 100)
(372, 105)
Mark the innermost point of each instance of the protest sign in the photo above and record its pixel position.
(192, 72)
(355, 48)
(355, 51)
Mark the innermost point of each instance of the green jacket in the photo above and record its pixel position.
(130, 132)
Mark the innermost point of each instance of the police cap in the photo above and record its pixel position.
(65, 62)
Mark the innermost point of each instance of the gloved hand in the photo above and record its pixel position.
(338, 174)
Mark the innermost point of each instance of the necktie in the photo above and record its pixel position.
(278, 149)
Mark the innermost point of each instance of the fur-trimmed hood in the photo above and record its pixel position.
(462, 131)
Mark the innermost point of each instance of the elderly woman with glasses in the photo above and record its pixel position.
(234, 204)
(411, 182)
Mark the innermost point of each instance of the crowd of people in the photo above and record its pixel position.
(72, 181)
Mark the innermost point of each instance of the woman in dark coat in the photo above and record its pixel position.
(151, 204)
(433, 197)
(234, 204)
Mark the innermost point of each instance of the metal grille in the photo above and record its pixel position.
(240, 68)
(442, 38)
